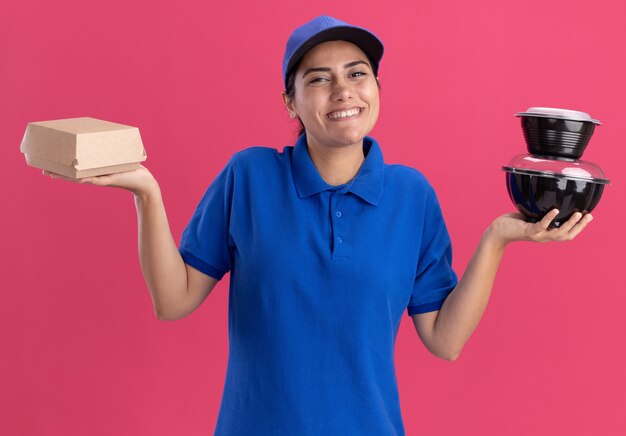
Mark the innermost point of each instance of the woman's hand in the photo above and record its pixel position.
(512, 227)
(139, 181)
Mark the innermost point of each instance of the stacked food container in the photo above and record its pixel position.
(552, 175)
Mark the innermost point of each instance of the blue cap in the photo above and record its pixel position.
(323, 29)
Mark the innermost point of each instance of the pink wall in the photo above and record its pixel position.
(83, 353)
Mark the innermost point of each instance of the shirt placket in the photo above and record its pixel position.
(339, 242)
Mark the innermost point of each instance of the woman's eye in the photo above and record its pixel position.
(358, 74)
(319, 80)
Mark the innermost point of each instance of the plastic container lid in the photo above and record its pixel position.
(552, 112)
(557, 168)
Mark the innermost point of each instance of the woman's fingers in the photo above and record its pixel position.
(579, 226)
(546, 220)
(58, 176)
(566, 231)
(570, 223)
(139, 180)
(101, 180)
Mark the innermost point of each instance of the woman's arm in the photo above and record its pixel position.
(445, 332)
(176, 289)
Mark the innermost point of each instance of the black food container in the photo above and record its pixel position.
(538, 184)
(557, 132)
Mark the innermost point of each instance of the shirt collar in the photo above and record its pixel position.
(368, 183)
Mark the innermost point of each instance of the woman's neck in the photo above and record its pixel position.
(337, 165)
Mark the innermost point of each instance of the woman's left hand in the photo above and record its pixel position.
(512, 227)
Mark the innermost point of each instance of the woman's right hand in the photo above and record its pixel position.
(139, 181)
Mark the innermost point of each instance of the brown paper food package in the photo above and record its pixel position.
(82, 147)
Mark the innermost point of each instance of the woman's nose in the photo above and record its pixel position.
(342, 90)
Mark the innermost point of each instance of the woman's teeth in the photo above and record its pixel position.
(344, 114)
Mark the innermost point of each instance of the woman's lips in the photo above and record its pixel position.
(345, 114)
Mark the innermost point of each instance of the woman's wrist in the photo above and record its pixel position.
(493, 237)
(151, 190)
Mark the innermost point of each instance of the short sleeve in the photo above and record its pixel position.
(434, 278)
(205, 242)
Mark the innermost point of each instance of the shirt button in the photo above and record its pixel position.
(338, 214)
(339, 240)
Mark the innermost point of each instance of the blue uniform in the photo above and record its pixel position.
(319, 278)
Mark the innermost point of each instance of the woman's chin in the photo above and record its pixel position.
(348, 138)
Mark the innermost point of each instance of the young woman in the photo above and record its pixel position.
(326, 246)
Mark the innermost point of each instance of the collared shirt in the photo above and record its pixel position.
(319, 278)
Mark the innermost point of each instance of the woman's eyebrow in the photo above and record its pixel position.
(326, 69)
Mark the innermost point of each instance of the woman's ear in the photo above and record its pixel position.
(289, 105)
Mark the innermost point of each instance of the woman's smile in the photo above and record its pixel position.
(345, 114)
